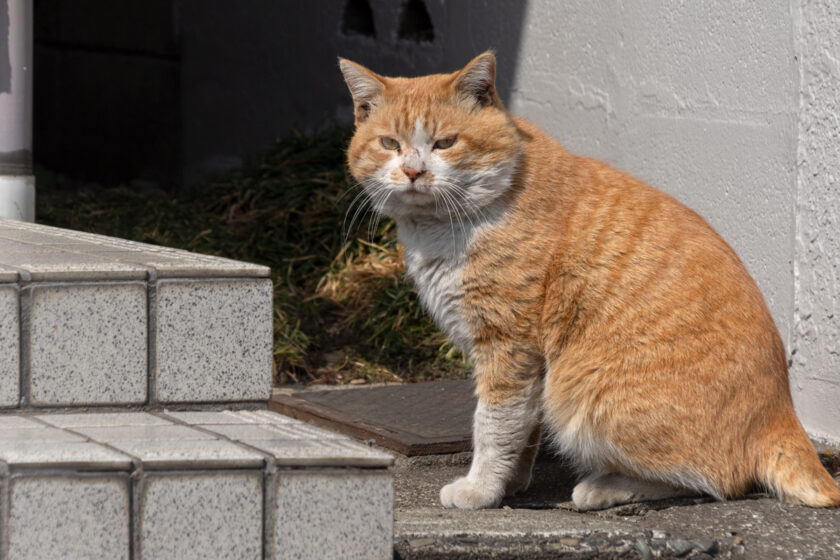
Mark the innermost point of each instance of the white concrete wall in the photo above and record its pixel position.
(698, 99)
(816, 361)
(702, 99)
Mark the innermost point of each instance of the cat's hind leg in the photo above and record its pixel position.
(599, 491)
(501, 434)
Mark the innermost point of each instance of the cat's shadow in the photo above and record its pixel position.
(552, 484)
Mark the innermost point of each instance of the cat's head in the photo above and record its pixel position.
(438, 145)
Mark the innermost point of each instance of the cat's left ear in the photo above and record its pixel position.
(365, 86)
(476, 82)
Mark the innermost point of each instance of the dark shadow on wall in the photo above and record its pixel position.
(5, 56)
(106, 97)
(171, 90)
(266, 70)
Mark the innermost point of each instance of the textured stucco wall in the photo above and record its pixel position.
(696, 98)
(816, 359)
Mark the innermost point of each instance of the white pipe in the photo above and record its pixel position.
(17, 197)
(17, 183)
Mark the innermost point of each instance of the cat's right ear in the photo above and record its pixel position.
(476, 82)
(365, 87)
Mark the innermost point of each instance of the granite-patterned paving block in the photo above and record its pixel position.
(77, 455)
(214, 340)
(53, 265)
(180, 265)
(13, 421)
(194, 417)
(69, 517)
(88, 344)
(198, 516)
(257, 432)
(323, 453)
(295, 443)
(9, 346)
(268, 416)
(8, 275)
(334, 514)
(190, 454)
(42, 434)
(172, 432)
(232, 417)
(156, 441)
(91, 419)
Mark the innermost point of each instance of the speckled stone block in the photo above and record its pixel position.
(291, 442)
(88, 344)
(188, 516)
(9, 346)
(82, 455)
(157, 442)
(50, 253)
(27, 443)
(68, 517)
(214, 340)
(44, 265)
(103, 419)
(333, 514)
(8, 274)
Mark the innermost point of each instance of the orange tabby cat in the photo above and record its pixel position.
(587, 300)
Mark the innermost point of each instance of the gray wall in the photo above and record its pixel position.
(107, 94)
(5, 60)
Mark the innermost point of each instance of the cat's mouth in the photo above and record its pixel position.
(415, 194)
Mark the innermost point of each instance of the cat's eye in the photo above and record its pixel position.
(445, 143)
(389, 143)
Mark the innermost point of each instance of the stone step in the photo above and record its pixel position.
(195, 484)
(88, 320)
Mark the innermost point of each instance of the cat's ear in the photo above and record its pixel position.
(365, 87)
(476, 82)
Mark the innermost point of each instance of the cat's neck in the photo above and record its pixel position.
(446, 237)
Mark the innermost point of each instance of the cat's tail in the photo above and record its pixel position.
(792, 470)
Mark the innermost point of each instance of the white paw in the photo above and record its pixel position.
(589, 495)
(463, 493)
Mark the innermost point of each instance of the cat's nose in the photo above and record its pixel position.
(412, 173)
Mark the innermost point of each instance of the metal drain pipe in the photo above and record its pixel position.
(17, 183)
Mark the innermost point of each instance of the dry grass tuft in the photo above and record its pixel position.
(357, 278)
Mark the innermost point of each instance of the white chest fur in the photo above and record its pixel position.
(435, 257)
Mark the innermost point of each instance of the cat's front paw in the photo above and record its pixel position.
(464, 493)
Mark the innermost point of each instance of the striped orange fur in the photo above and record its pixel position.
(590, 303)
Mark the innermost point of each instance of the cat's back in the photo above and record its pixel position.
(613, 261)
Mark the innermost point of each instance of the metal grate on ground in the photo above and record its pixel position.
(416, 419)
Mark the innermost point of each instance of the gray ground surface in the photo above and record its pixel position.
(543, 524)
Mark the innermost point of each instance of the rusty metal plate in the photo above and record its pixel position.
(415, 419)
